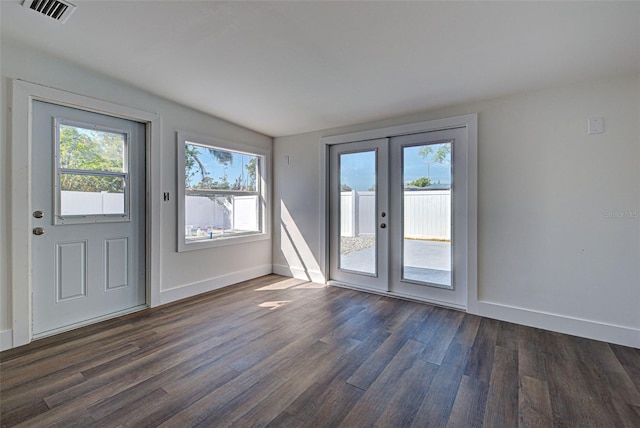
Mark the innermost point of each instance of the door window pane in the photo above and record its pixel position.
(427, 222)
(91, 150)
(82, 194)
(92, 169)
(358, 212)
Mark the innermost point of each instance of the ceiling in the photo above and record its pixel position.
(283, 68)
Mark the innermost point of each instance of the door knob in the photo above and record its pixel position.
(38, 231)
(38, 214)
(383, 225)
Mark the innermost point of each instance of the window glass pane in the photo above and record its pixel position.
(357, 212)
(219, 216)
(427, 175)
(91, 194)
(208, 168)
(92, 150)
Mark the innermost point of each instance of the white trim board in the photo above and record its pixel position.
(314, 276)
(617, 334)
(22, 94)
(195, 288)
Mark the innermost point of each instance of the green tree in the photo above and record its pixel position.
(421, 182)
(89, 150)
(345, 188)
(439, 156)
(252, 170)
(194, 166)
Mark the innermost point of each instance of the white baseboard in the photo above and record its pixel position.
(189, 290)
(299, 273)
(589, 329)
(6, 339)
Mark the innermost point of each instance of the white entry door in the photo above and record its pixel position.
(398, 216)
(88, 202)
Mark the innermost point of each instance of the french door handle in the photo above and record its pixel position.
(383, 225)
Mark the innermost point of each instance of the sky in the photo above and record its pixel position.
(358, 169)
(216, 170)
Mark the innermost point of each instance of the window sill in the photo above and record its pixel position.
(220, 242)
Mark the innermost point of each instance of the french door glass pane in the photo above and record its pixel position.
(358, 212)
(427, 222)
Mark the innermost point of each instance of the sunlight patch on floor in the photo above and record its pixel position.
(282, 285)
(274, 305)
(310, 285)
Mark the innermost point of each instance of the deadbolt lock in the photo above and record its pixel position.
(38, 214)
(383, 225)
(38, 231)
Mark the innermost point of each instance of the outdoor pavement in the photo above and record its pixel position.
(424, 261)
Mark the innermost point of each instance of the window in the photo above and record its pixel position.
(223, 193)
(92, 174)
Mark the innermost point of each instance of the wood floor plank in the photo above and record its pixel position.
(404, 401)
(470, 404)
(480, 362)
(281, 352)
(534, 403)
(369, 408)
(369, 371)
(330, 398)
(502, 397)
(532, 356)
(579, 395)
(436, 407)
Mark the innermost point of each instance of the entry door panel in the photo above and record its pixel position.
(88, 187)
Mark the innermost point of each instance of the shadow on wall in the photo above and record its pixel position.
(299, 257)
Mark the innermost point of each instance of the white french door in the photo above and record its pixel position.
(88, 201)
(359, 236)
(398, 211)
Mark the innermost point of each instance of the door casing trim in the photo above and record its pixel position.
(22, 95)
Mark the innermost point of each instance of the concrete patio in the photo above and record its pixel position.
(424, 261)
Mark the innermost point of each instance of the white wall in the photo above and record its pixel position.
(181, 274)
(553, 249)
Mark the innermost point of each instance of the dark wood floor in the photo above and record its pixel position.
(279, 352)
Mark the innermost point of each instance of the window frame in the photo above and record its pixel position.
(263, 192)
(59, 218)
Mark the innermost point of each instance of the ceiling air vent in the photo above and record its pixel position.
(57, 9)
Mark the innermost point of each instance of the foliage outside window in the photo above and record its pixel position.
(223, 195)
(91, 171)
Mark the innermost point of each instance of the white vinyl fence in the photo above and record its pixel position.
(87, 203)
(239, 214)
(427, 214)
